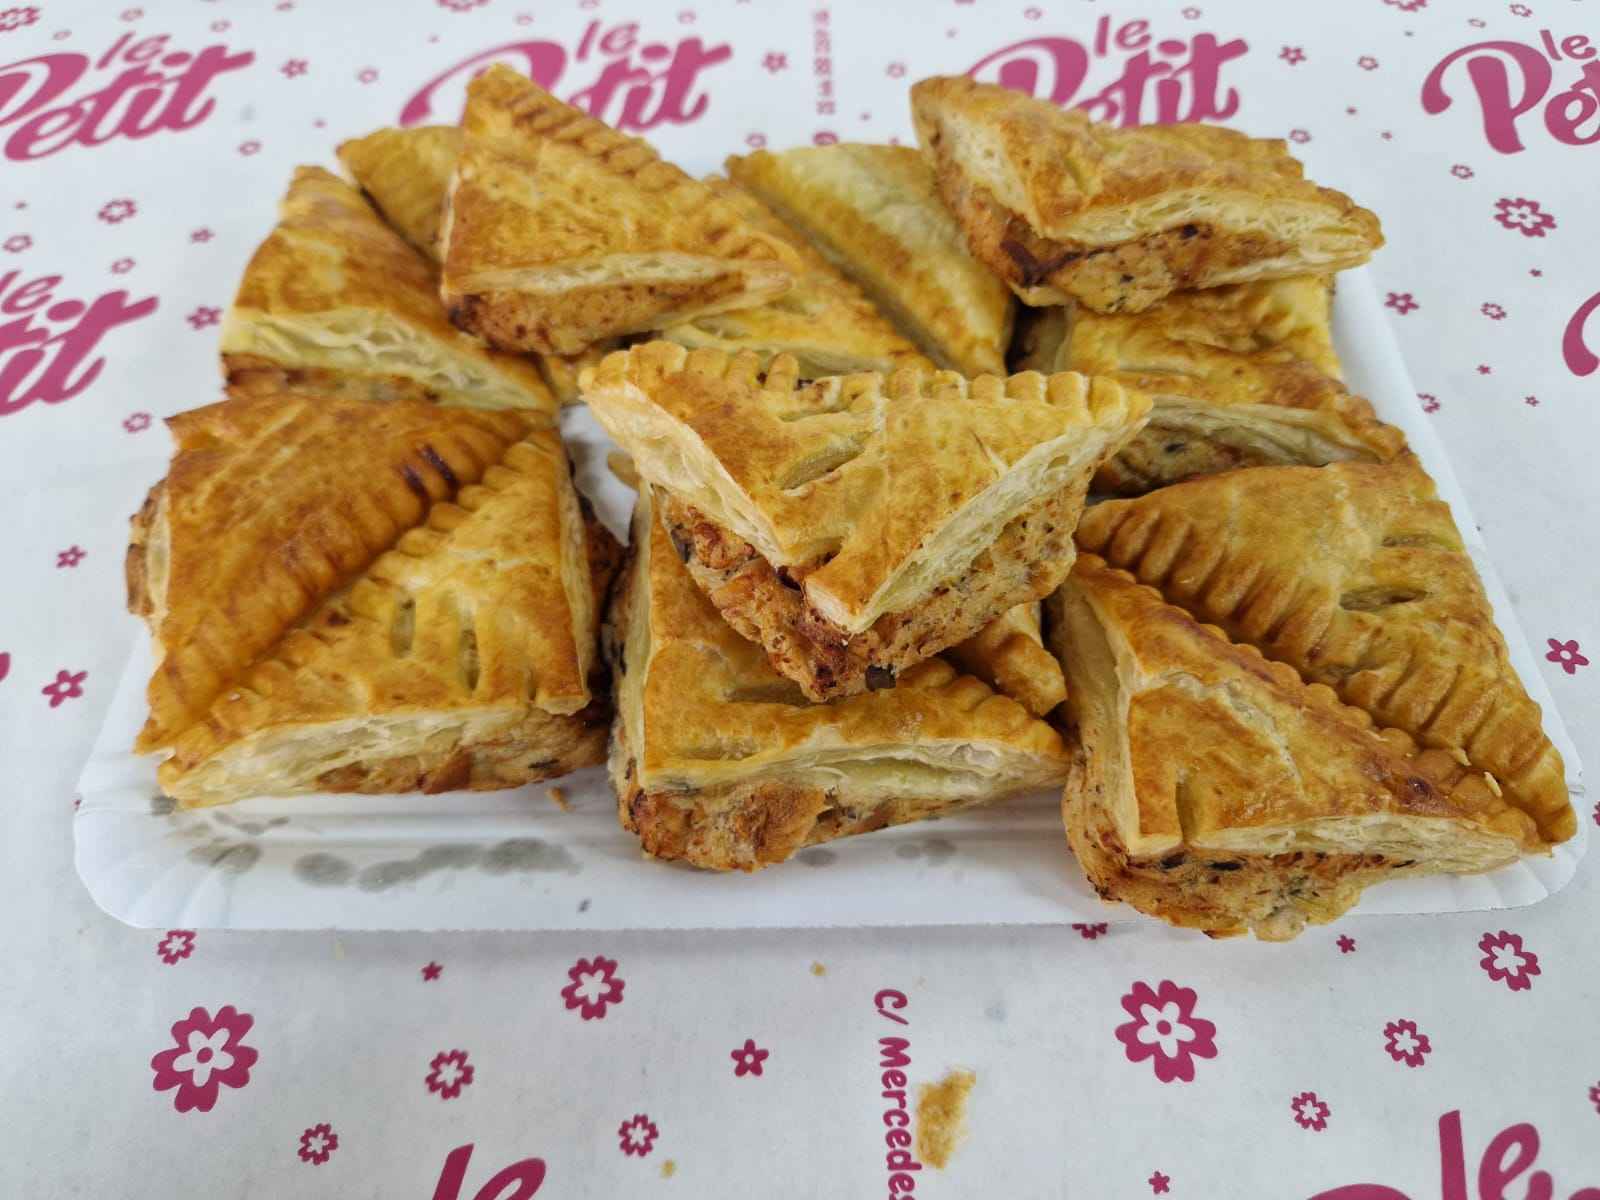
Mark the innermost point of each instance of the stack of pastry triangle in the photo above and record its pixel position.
(560, 231)
(336, 299)
(861, 524)
(347, 596)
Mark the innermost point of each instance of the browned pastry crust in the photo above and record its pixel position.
(1354, 574)
(1064, 208)
(405, 173)
(1009, 654)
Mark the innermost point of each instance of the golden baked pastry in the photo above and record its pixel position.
(1063, 208)
(333, 292)
(874, 212)
(405, 173)
(459, 660)
(1010, 656)
(824, 321)
(862, 523)
(1354, 575)
(273, 502)
(717, 760)
(560, 231)
(1219, 403)
(1220, 791)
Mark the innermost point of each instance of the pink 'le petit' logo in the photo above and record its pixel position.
(1513, 79)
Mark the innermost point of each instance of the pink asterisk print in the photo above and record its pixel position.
(1476, 22)
(1430, 402)
(637, 1135)
(462, 5)
(1401, 302)
(136, 422)
(1594, 1097)
(201, 235)
(17, 243)
(1521, 10)
(1535, 272)
(1461, 171)
(1310, 1112)
(1567, 654)
(15, 18)
(367, 75)
(1299, 136)
(208, 1053)
(1403, 1042)
(1346, 943)
(317, 1144)
(247, 148)
(1407, 5)
(1493, 311)
(221, 26)
(1484, 369)
(686, 17)
(132, 14)
(5, 669)
(430, 972)
(1367, 63)
(122, 266)
(1505, 961)
(1164, 1028)
(204, 316)
(284, 5)
(774, 61)
(747, 1059)
(448, 1073)
(524, 18)
(71, 556)
(113, 212)
(1158, 1183)
(824, 137)
(1292, 55)
(895, 70)
(1191, 13)
(594, 986)
(68, 685)
(294, 68)
(1523, 215)
(755, 140)
(176, 946)
(1032, 13)
(1089, 932)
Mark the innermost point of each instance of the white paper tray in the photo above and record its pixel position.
(513, 860)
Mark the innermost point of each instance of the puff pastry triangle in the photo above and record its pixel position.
(335, 295)
(1009, 655)
(560, 231)
(874, 211)
(1218, 790)
(273, 501)
(1063, 208)
(1355, 576)
(717, 760)
(862, 523)
(460, 659)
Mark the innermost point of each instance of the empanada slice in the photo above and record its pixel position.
(1220, 791)
(560, 231)
(874, 211)
(717, 760)
(860, 524)
(334, 292)
(1354, 575)
(273, 501)
(1064, 208)
(824, 321)
(460, 659)
(1010, 656)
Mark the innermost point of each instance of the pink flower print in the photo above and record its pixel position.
(1033, 14)
(71, 556)
(637, 1135)
(1401, 302)
(203, 316)
(1367, 63)
(132, 14)
(524, 18)
(5, 669)
(1158, 1183)
(1476, 22)
(1347, 944)
(221, 26)
(59, 35)
(114, 211)
(201, 235)
(895, 70)
(367, 75)
(1461, 171)
(247, 148)
(1594, 1097)
(17, 243)
(122, 266)
(1566, 653)
(176, 946)
(68, 685)
(748, 1058)
(1523, 215)
(15, 18)
(1191, 13)
(594, 986)
(1387, 136)
(1292, 55)
(1430, 402)
(462, 5)
(207, 1053)
(449, 1073)
(755, 140)
(284, 5)
(1504, 960)
(1485, 369)
(1531, 401)
(1521, 10)
(1309, 1112)
(294, 68)
(1535, 272)
(824, 137)
(1493, 311)
(136, 422)
(317, 1144)
(686, 17)
(774, 62)
(1403, 1042)
(1165, 1028)
(1089, 932)
(5, 657)
(1299, 136)
(431, 972)
(1407, 5)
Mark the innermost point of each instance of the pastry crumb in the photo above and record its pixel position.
(558, 796)
(942, 1116)
(818, 969)
(669, 1169)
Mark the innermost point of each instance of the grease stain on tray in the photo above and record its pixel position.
(381, 876)
(942, 1116)
(936, 849)
(817, 858)
(323, 870)
(162, 805)
(528, 854)
(232, 858)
